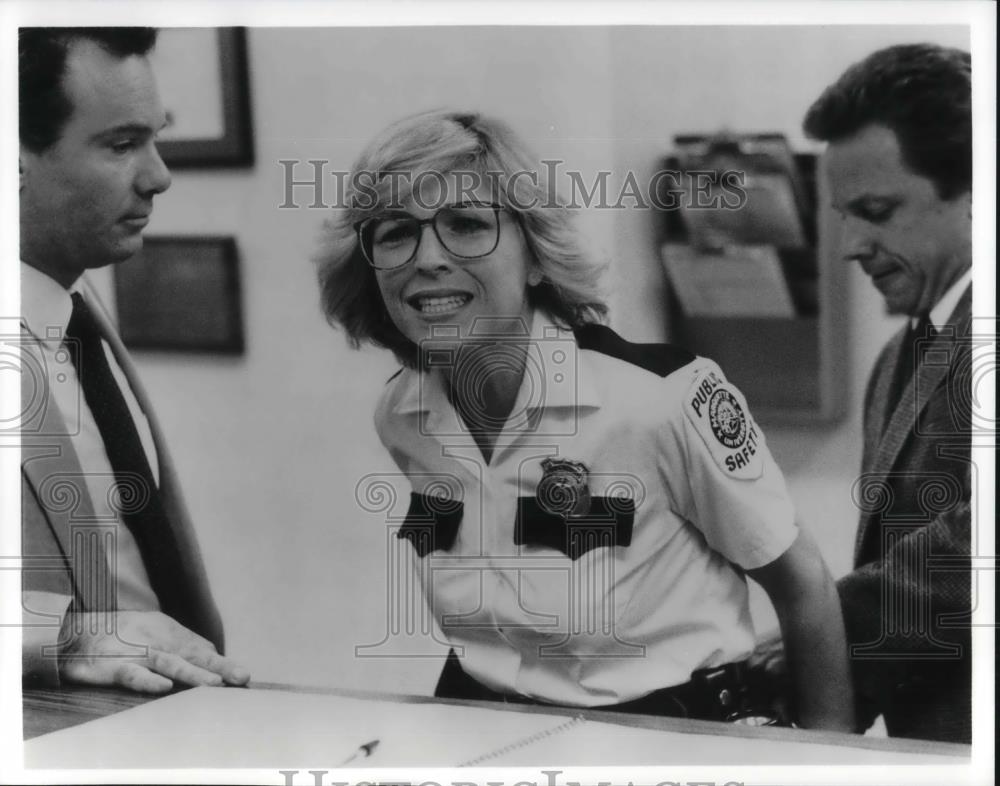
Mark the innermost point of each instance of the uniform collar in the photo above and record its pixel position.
(46, 307)
(570, 382)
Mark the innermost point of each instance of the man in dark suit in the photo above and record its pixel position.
(899, 165)
(114, 591)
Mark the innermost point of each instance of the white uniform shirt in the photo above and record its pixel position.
(46, 308)
(617, 621)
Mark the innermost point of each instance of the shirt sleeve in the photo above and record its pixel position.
(735, 492)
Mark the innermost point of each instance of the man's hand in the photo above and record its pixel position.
(144, 651)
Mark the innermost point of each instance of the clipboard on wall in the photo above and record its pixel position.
(741, 243)
(755, 193)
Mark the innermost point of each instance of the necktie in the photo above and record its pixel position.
(139, 502)
(909, 361)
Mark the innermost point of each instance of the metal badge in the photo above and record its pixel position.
(563, 489)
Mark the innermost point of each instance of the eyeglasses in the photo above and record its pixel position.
(467, 230)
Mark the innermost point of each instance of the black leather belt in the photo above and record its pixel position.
(726, 693)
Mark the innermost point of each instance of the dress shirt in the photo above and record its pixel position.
(943, 309)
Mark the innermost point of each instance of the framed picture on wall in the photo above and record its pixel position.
(181, 294)
(204, 81)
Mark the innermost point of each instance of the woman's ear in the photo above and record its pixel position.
(535, 276)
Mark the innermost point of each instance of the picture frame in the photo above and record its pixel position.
(182, 294)
(203, 77)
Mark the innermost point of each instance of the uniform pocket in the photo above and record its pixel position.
(431, 523)
(608, 523)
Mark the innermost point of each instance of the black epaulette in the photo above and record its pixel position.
(660, 359)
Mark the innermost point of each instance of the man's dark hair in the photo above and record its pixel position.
(922, 92)
(43, 104)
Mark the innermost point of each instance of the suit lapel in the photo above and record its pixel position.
(875, 416)
(925, 381)
(52, 472)
(879, 415)
(886, 436)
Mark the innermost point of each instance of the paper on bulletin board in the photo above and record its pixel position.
(732, 281)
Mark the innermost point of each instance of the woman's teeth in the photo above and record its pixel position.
(438, 305)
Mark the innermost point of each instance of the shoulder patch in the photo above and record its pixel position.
(722, 419)
(660, 359)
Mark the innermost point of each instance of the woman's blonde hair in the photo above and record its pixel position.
(447, 143)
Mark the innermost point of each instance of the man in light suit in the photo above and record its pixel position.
(114, 591)
(899, 165)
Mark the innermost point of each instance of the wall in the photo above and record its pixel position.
(271, 446)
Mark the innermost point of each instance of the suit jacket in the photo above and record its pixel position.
(907, 604)
(64, 547)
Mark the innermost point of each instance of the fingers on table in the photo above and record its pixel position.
(201, 652)
(137, 677)
(177, 668)
(206, 657)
